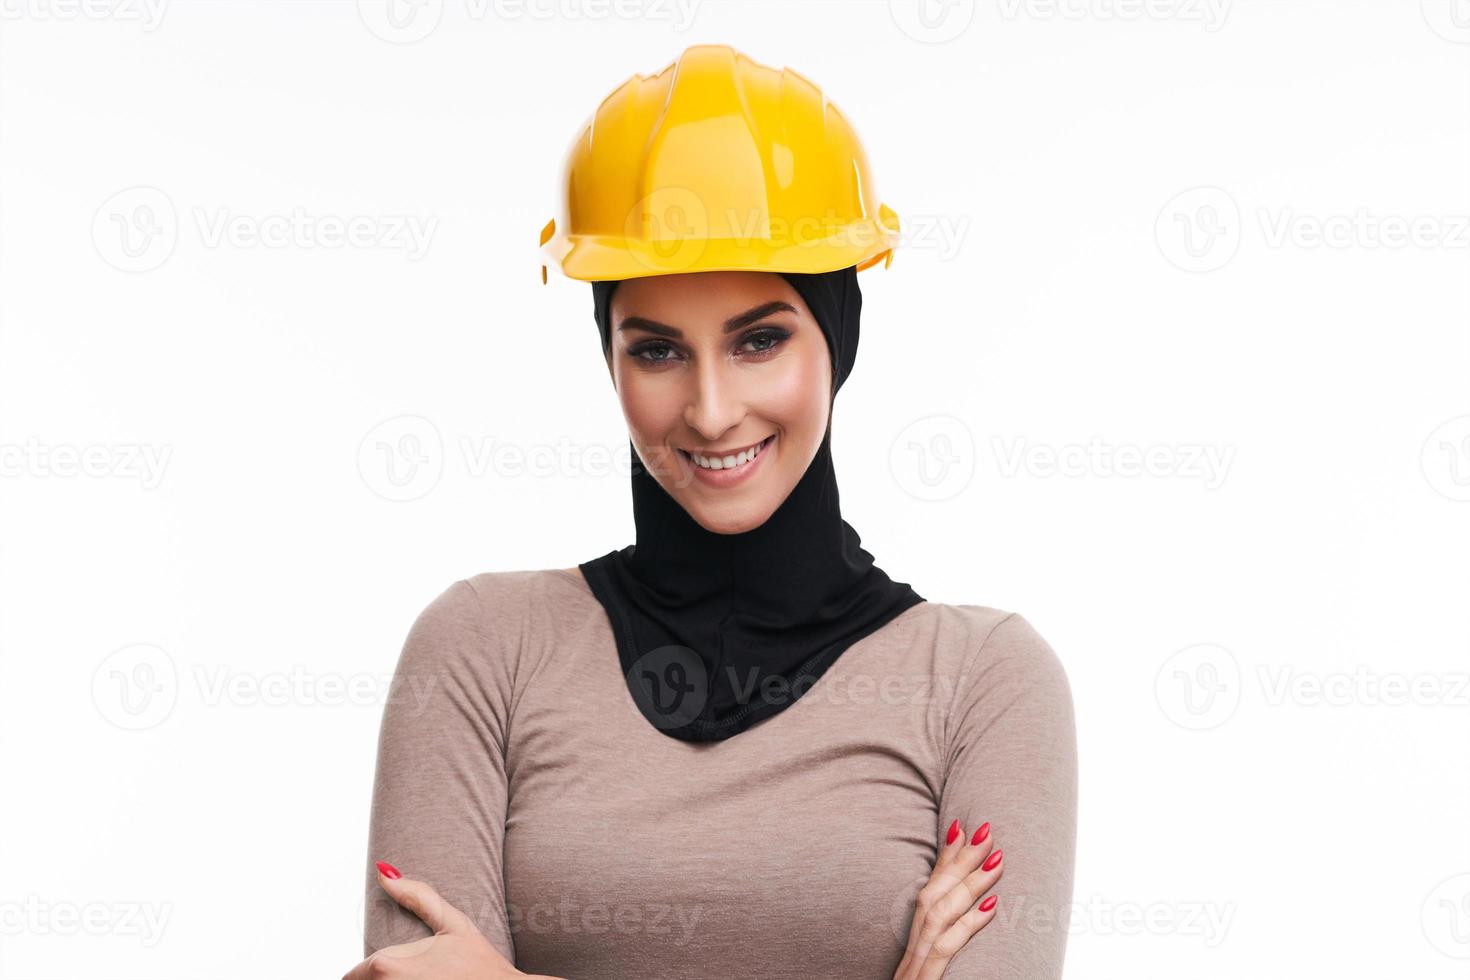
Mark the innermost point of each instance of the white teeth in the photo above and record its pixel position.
(726, 462)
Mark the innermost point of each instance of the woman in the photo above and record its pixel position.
(736, 748)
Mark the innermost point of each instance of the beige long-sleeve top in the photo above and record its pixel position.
(516, 775)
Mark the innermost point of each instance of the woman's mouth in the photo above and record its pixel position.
(729, 468)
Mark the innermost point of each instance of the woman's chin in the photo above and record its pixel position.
(729, 517)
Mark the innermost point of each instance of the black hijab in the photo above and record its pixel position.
(716, 632)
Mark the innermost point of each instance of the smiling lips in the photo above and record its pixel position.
(727, 461)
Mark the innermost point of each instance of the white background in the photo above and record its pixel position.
(1166, 229)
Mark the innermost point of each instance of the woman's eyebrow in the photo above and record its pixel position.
(731, 325)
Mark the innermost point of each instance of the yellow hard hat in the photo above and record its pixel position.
(716, 163)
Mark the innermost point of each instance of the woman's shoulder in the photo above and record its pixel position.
(997, 664)
(511, 584)
(502, 599)
(997, 642)
(524, 583)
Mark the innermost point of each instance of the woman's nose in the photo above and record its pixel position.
(714, 404)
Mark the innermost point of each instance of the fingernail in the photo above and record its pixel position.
(388, 870)
(988, 904)
(981, 832)
(954, 831)
(991, 861)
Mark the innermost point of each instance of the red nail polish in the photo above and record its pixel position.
(954, 831)
(991, 862)
(988, 904)
(981, 832)
(388, 870)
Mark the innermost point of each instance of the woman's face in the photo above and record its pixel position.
(712, 364)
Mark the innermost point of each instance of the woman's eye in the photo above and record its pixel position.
(768, 340)
(662, 349)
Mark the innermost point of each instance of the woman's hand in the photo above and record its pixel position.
(948, 913)
(456, 951)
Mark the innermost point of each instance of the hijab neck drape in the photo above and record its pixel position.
(716, 632)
